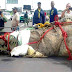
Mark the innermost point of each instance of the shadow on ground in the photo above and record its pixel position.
(61, 61)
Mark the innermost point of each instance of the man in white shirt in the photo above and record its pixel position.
(15, 20)
(67, 13)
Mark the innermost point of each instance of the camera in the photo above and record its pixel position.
(70, 8)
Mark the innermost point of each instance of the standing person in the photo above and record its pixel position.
(26, 18)
(53, 12)
(67, 13)
(15, 20)
(39, 15)
(1, 20)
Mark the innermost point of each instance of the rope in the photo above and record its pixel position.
(64, 36)
(8, 40)
(41, 37)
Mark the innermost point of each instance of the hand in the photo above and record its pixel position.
(67, 9)
(16, 24)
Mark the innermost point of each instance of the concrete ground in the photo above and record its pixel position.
(20, 64)
(21, 25)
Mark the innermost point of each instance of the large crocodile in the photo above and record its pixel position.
(52, 43)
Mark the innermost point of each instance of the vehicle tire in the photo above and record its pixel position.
(11, 18)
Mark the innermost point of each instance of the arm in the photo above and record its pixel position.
(63, 13)
(34, 18)
(17, 22)
(43, 18)
(56, 15)
(4, 19)
(17, 19)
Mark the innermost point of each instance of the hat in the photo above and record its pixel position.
(39, 2)
(15, 8)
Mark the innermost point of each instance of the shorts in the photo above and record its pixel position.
(15, 28)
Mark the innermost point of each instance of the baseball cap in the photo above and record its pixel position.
(15, 8)
(39, 2)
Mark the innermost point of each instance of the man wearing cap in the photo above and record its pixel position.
(15, 20)
(39, 16)
(53, 12)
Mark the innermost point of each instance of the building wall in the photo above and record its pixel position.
(2, 4)
(20, 4)
(10, 6)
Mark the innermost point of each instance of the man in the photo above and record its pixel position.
(2, 20)
(15, 20)
(67, 13)
(53, 12)
(39, 16)
(26, 18)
